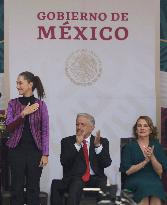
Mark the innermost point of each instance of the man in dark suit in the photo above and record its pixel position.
(83, 157)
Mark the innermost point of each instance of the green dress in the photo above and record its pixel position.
(145, 182)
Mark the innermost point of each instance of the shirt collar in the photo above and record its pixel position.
(88, 139)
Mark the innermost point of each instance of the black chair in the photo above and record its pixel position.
(123, 142)
(90, 195)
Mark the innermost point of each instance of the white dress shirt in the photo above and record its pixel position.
(97, 149)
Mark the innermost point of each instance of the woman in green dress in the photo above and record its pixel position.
(143, 161)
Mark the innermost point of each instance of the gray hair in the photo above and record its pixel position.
(88, 116)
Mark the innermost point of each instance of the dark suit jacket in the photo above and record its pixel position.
(73, 162)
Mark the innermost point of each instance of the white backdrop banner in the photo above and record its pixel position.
(94, 57)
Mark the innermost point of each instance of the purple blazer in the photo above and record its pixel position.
(39, 125)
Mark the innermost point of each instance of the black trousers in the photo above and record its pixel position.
(74, 187)
(24, 164)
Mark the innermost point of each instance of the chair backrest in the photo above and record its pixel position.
(123, 142)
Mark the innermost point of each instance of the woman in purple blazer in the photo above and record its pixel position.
(28, 125)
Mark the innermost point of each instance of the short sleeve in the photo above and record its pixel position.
(126, 158)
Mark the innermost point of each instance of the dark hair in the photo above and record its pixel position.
(30, 77)
(149, 121)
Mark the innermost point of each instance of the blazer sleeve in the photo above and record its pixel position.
(45, 129)
(13, 120)
(68, 152)
(104, 159)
